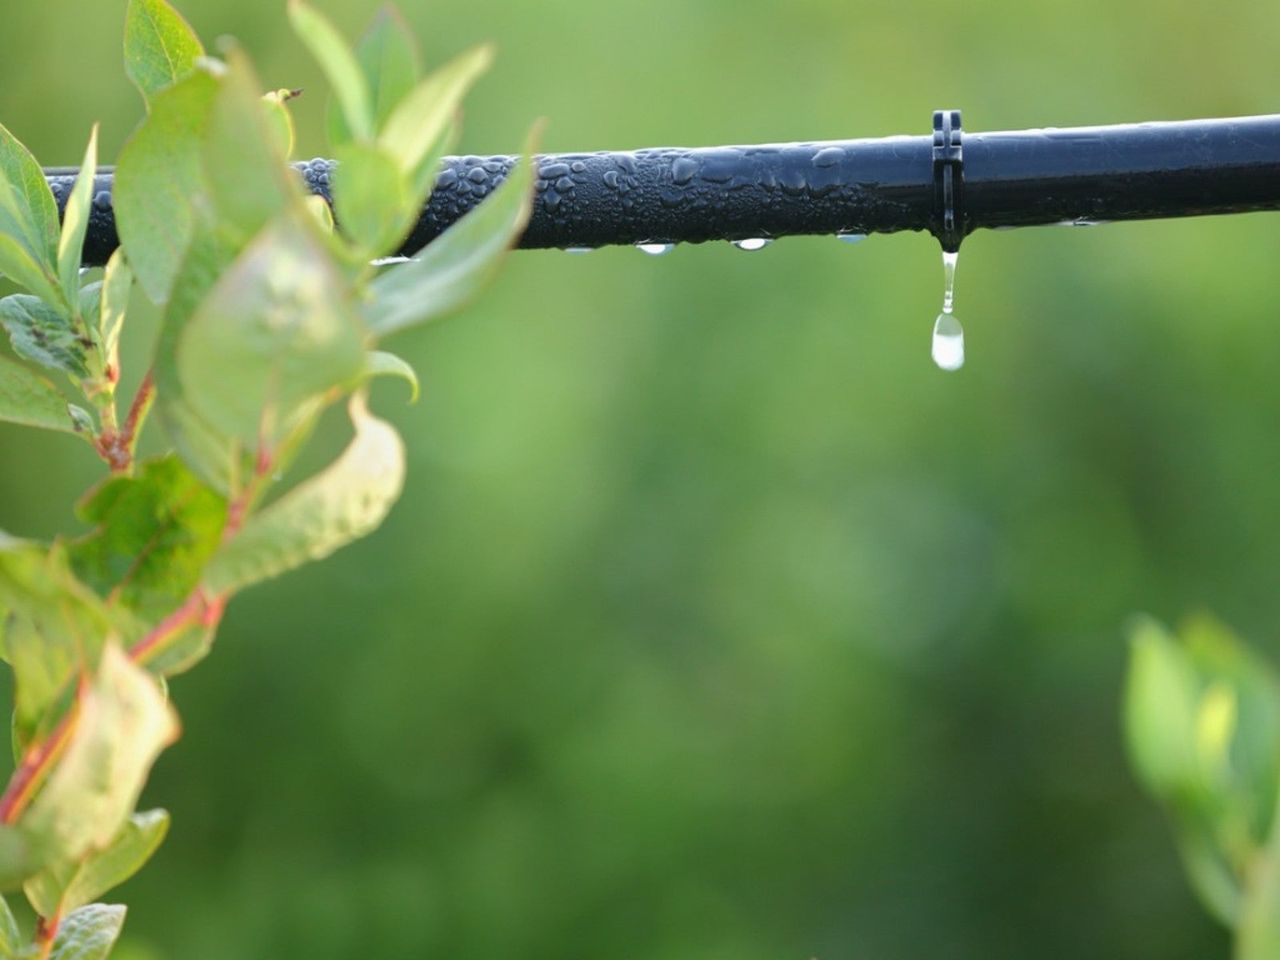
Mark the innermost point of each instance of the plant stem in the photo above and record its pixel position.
(117, 446)
(35, 764)
(199, 609)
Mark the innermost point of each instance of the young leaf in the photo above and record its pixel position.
(88, 933)
(44, 335)
(423, 118)
(455, 266)
(123, 723)
(158, 179)
(154, 533)
(1160, 710)
(388, 56)
(29, 399)
(117, 284)
(278, 329)
(68, 886)
(346, 501)
(1258, 935)
(160, 48)
(279, 120)
(10, 938)
(339, 64)
(75, 222)
(379, 363)
(370, 197)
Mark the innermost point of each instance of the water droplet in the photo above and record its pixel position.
(578, 249)
(949, 261)
(388, 261)
(851, 237)
(948, 342)
(655, 249)
(752, 243)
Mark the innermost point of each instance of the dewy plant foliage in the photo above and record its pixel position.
(272, 312)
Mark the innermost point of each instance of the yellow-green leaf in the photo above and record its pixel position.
(370, 199)
(122, 724)
(344, 502)
(388, 55)
(454, 267)
(69, 885)
(424, 117)
(339, 64)
(75, 221)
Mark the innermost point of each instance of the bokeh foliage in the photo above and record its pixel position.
(715, 621)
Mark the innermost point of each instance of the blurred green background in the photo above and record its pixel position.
(715, 621)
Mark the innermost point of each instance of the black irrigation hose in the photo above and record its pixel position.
(1010, 179)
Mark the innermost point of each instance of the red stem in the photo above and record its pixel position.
(35, 764)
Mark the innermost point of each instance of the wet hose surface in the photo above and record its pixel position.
(677, 195)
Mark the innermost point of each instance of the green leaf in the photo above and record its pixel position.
(19, 859)
(31, 400)
(158, 181)
(371, 199)
(154, 533)
(346, 501)
(44, 663)
(213, 456)
(279, 120)
(1160, 710)
(17, 263)
(379, 363)
(117, 285)
(10, 938)
(278, 329)
(423, 119)
(88, 933)
(1258, 933)
(389, 58)
(1212, 877)
(28, 212)
(454, 267)
(339, 64)
(75, 222)
(44, 335)
(160, 48)
(67, 886)
(1247, 779)
(123, 723)
(248, 179)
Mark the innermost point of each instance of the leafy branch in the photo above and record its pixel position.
(272, 311)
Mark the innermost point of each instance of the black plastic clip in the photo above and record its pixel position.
(948, 179)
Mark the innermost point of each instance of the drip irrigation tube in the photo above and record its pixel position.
(949, 184)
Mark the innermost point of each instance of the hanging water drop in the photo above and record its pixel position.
(948, 342)
(752, 243)
(948, 334)
(578, 250)
(655, 249)
(844, 237)
(949, 276)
